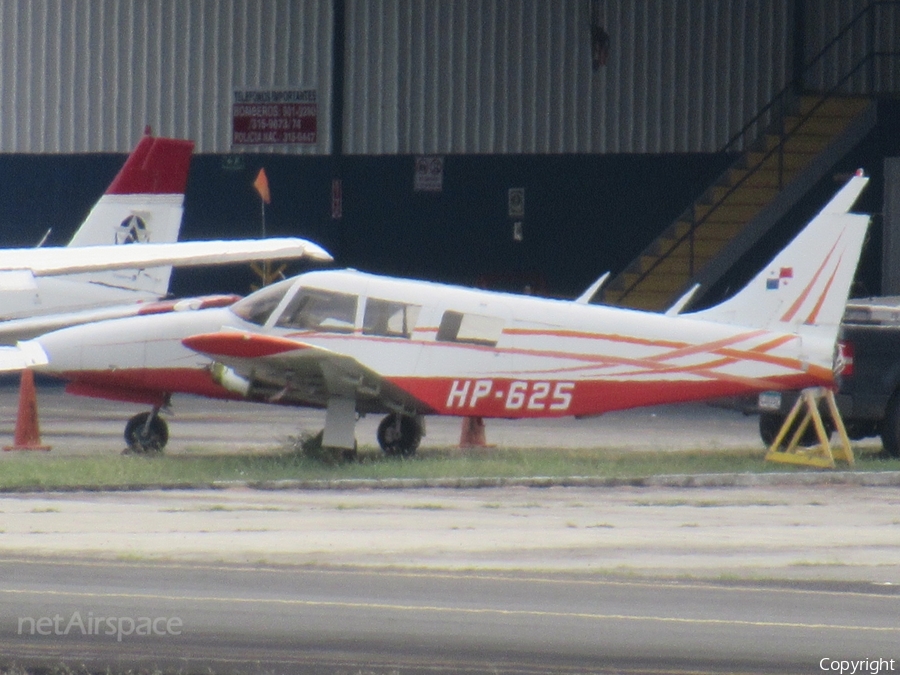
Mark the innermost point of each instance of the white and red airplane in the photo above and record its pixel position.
(355, 343)
(97, 276)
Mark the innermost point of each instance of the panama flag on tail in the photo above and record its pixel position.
(804, 289)
(143, 204)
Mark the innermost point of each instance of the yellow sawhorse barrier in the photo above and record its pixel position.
(821, 455)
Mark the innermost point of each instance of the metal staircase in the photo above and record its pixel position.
(793, 142)
(795, 151)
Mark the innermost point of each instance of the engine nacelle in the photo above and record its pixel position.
(230, 380)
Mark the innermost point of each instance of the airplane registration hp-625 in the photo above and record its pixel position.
(355, 343)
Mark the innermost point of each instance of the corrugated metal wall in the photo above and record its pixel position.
(864, 32)
(88, 76)
(422, 76)
(489, 76)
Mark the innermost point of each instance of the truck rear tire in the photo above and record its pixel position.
(770, 424)
(890, 427)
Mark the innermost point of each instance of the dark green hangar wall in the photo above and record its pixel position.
(583, 214)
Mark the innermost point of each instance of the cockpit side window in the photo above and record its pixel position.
(389, 318)
(319, 310)
(475, 329)
(257, 307)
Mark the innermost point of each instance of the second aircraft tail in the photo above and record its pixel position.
(143, 204)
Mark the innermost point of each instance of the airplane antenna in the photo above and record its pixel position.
(44, 238)
(591, 291)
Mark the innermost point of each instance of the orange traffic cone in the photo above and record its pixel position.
(472, 435)
(28, 435)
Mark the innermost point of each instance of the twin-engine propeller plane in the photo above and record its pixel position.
(355, 343)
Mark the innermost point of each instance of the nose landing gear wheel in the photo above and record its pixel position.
(399, 435)
(146, 434)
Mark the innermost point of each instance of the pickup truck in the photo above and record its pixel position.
(868, 377)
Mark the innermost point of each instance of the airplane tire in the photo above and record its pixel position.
(141, 440)
(399, 435)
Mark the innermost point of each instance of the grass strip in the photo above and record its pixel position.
(50, 471)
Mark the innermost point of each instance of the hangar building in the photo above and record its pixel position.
(508, 143)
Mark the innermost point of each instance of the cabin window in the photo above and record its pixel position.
(389, 318)
(257, 307)
(318, 310)
(474, 329)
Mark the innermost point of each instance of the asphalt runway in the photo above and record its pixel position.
(216, 618)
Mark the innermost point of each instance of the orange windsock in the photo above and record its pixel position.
(262, 186)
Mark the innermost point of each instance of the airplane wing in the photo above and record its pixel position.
(282, 369)
(64, 260)
(14, 330)
(21, 356)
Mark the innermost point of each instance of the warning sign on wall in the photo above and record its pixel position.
(274, 117)
(516, 202)
(429, 174)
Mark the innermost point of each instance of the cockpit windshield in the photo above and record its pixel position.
(320, 310)
(257, 307)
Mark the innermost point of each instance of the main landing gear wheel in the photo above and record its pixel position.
(890, 427)
(399, 435)
(146, 434)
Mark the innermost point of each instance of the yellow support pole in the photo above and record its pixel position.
(821, 455)
(266, 275)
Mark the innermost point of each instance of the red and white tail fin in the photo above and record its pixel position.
(144, 203)
(805, 288)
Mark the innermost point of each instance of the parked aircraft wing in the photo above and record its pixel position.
(299, 370)
(54, 261)
(21, 357)
(30, 327)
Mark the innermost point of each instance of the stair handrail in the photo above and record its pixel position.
(791, 86)
(780, 98)
(783, 138)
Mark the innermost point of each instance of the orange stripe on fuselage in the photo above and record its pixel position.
(610, 337)
(646, 365)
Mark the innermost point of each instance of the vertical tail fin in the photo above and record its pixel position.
(144, 203)
(805, 288)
